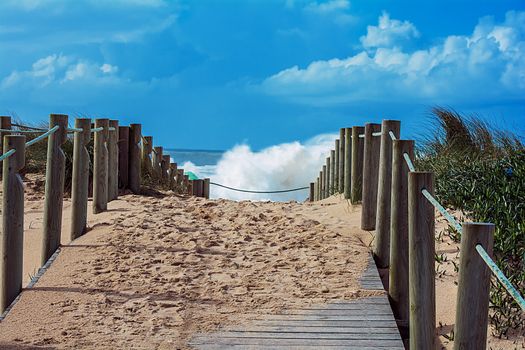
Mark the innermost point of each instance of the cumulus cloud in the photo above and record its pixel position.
(334, 9)
(58, 68)
(388, 33)
(488, 64)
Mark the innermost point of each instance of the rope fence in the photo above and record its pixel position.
(398, 202)
(264, 192)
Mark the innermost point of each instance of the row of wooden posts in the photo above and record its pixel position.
(369, 165)
(121, 158)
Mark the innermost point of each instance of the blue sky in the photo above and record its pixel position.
(211, 74)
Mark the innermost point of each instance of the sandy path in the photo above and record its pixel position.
(153, 271)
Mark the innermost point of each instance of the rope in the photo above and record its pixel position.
(379, 133)
(392, 136)
(43, 136)
(97, 129)
(28, 127)
(410, 165)
(251, 191)
(21, 131)
(501, 277)
(75, 129)
(442, 210)
(7, 154)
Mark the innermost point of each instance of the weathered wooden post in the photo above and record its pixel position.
(134, 176)
(325, 184)
(398, 281)
(123, 156)
(157, 160)
(370, 177)
(356, 177)
(341, 172)
(180, 180)
(421, 246)
(172, 172)
(328, 177)
(100, 167)
(54, 192)
(206, 189)
(332, 173)
(316, 189)
(311, 194)
(190, 187)
(347, 162)
(11, 264)
(5, 123)
(336, 167)
(113, 160)
(197, 187)
(164, 166)
(186, 184)
(382, 237)
(472, 307)
(147, 149)
(80, 178)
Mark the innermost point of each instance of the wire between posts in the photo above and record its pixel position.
(97, 129)
(43, 136)
(252, 191)
(7, 154)
(442, 210)
(28, 127)
(501, 277)
(22, 131)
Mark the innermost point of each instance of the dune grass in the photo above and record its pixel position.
(480, 170)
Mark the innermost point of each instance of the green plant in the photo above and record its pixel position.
(481, 171)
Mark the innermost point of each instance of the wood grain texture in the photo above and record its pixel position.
(100, 167)
(157, 161)
(331, 180)
(112, 145)
(54, 191)
(325, 185)
(357, 164)
(80, 178)
(336, 166)
(421, 245)
(470, 331)
(398, 272)
(341, 164)
(382, 237)
(12, 234)
(134, 170)
(347, 163)
(147, 149)
(370, 176)
(123, 156)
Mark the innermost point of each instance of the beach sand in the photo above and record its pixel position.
(154, 270)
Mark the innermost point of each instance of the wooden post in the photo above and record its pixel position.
(113, 161)
(100, 167)
(398, 280)
(472, 307)
(356, 177)
(147, 149)
(180, 181)
(157, 161)
(190, 187)
(370, 177)
(197, 187)
(134, 176)
(382, 237)
(325, 181)
(172, 172)
(421, 247)
(328, 177)
(164, 166)
(186, 184)
(316, 189)
(80, 178)
(347, 162)
(54, 192)
(311, 195)
(123, 156)
(5, 123)
(321, 183)
(11, 264)
(206, 189)
(332, 173)
(341, 172)
(336, 167)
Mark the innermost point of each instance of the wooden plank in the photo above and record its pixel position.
(385, 343)
(293, 347)
(300, 327)
(330, 323)
(305, 335)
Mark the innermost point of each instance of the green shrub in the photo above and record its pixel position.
(481, 171)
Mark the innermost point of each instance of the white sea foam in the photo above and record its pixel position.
(284, 166)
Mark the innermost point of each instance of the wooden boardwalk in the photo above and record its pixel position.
(366, 323)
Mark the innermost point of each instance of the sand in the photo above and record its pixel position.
(153, 271)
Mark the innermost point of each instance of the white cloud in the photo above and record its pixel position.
(490, 63)
(58, 68)
(328, 7)
(388, 32)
